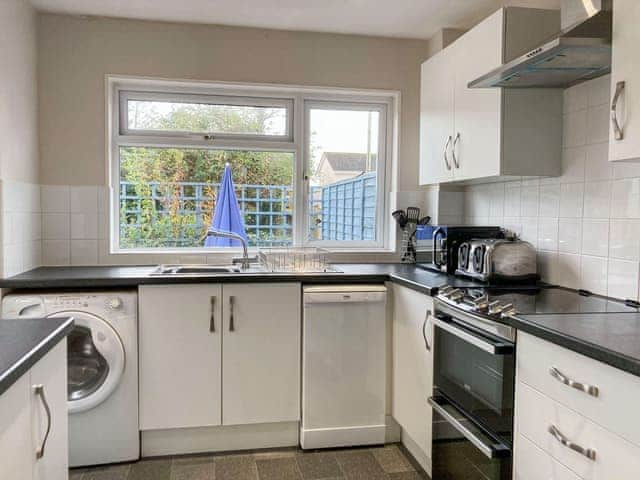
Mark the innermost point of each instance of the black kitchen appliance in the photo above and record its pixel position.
(474, 353)
(445, 241)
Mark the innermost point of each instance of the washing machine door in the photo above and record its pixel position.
(95, 361)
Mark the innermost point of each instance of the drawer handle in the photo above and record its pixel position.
(557, 434)
(583, 387)
(39, 390)
(232, 326)
(212, 318)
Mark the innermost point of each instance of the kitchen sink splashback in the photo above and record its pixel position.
(585, 224)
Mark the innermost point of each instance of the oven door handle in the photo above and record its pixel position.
(490, 450)
(483, 343)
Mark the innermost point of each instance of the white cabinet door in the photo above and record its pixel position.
(261, 353)
(476, 150)
(412, 364)
(626, 68)
(17, 455)
(436, 119)
(49, 383)
(180, 345)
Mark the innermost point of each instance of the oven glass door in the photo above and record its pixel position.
(475, 371)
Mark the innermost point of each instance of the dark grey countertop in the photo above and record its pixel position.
(612, 338)
(23, 342)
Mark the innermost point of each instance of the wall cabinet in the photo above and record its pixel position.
(215, 354)
(413, 369)
(24, 421)
(625, 82)
(468, 134)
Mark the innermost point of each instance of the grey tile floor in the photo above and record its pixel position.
(390, 462)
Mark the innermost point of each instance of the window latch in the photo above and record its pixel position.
(208, 136)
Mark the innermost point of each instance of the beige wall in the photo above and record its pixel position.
(76, 54)
(18, 90)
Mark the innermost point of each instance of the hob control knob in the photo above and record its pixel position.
(114, 303)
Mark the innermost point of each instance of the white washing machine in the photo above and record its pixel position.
(102, 370)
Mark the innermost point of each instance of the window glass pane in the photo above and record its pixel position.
(171, 116)
(168, 195)
(343, 187)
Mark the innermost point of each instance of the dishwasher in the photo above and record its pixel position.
(344, 364)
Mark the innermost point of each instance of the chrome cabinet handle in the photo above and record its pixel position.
(212, 319)
(496, 347)
(446, 146)
(453, 151)
(39, 390)
(424, 333)
(557, 434)
(617, 130)
(583, 387)
(232, 327)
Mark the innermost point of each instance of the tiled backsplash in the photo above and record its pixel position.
(585, 223)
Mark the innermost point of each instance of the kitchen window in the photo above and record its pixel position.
(310, 167)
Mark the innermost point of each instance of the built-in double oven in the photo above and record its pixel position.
(473, 396)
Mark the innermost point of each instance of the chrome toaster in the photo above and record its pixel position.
(498, 260)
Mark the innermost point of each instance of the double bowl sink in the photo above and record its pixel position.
(202, 270)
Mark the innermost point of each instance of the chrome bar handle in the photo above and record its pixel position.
(453, 151)
(232, 327)
(212, 319)
(424, 333)
(39, 390)
(617, 130)
(497, 348)
(583, 387)
(557, 434)
(446, 147)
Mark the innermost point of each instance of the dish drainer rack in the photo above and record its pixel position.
(301, 259)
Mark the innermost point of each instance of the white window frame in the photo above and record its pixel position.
(298, 100)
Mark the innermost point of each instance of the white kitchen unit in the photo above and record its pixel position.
(222, 356)
(575, 412)
(27, 451)
(624, 131)
(413, 370)
(469, 134)
(344, 361)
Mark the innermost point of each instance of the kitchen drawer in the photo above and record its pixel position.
(618, 392)
(615, 458)
(532, 463)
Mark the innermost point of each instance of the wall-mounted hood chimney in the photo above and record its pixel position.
(580, 52)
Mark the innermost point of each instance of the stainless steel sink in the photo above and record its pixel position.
(195, 270)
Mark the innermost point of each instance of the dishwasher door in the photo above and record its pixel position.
(344, 364)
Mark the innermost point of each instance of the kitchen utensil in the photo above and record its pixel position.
(424, 220)
(400, 216)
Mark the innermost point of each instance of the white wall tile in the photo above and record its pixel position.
(576, 98)
(597, 199)
(548, 234)
(597, 165)
(575, 129)
(624, 239)
(496, 200)
(569, 270)
(595, 237)
(56, 252)
(597, 124)
(622, 281)
(573, 164)
(571, 200)
(570, 235)
(84, 226)
(84, 252)
(84, 199)
(530, 201)
(593, 274)
(625, 198)
(55, 199)
(599, 91)
(530, 230)
(549, 201)
(55, 226)
(103, 199)
(512, 200)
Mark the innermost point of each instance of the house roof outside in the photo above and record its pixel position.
(346, 161)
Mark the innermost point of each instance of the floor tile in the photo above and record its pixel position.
(110, 472)
(235, 467)
(278, 469)
(151, 470)
(76, 473)
(360, 465)
(391, 459)
(407, 476)
(275, 454)
(316, 466)
(192, 468)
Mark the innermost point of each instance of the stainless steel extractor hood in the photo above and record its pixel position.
(581, 51)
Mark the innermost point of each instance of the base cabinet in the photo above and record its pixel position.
(219, 354)
(413, 370)
(24, 421)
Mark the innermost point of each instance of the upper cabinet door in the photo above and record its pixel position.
(261, 353)
(476, 150)
(436, 119)
(180, 356)
(49, 384)
(624, 142)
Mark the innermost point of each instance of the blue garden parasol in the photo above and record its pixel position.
(226, 215)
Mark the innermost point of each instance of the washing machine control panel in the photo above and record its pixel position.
(67, 302)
